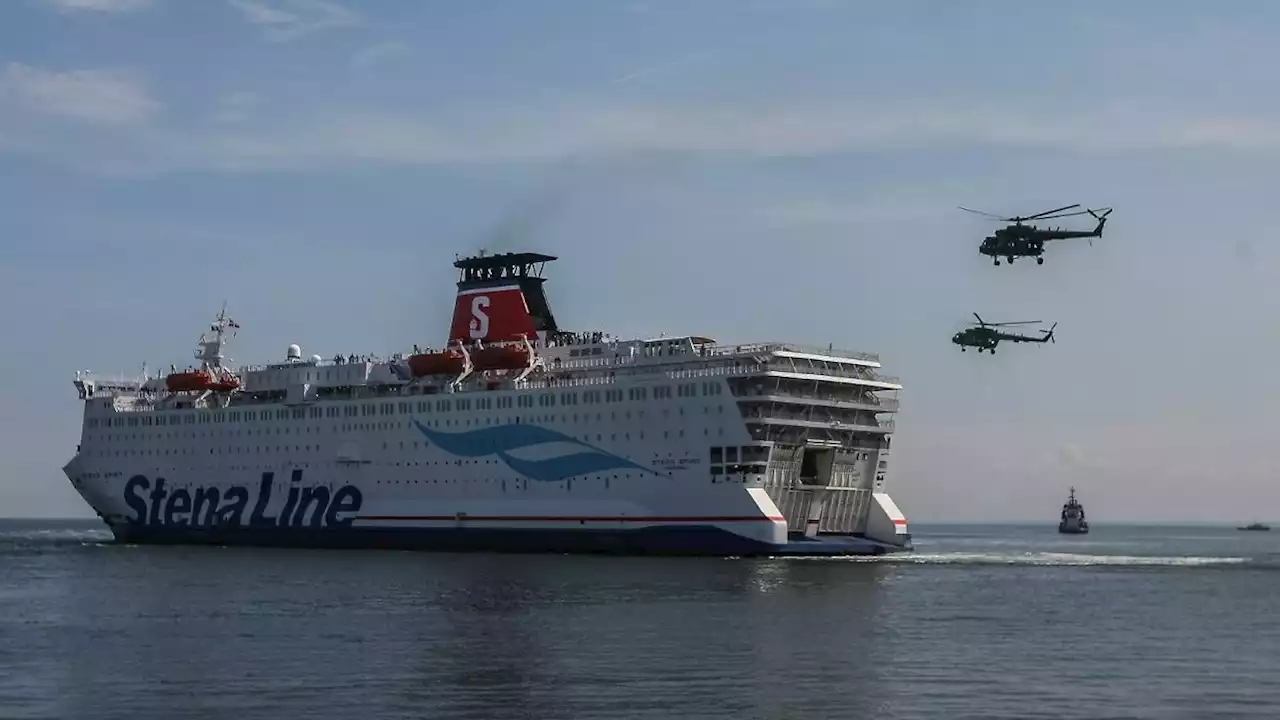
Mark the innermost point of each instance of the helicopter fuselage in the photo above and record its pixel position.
(1018, 240)
(987, 339)
(997, 247)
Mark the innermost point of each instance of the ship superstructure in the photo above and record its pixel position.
(1073, 521)
(514, 435)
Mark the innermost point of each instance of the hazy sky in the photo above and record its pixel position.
(745, 169)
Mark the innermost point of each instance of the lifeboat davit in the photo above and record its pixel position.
(197, 380)
(448, 362)
(503, 357)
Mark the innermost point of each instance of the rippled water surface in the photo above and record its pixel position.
(980, 622)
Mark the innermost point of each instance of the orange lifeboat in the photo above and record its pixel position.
(197, 380)
(226, 383)
(439, 363)
(504, 357)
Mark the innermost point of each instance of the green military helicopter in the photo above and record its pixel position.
(1018, 240)
(986, 337)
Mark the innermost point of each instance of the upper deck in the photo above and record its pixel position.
(568, 365)
(504, 337)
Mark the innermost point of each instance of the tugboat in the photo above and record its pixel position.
(1255, 526)
(1073, 522)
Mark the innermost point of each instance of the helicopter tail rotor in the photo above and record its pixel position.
(1049, 334)
(1101, 216)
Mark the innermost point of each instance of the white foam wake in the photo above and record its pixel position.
(1041, 558)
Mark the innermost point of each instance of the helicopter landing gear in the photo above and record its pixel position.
(1039, 261)
(1010, 259)
(996, 262)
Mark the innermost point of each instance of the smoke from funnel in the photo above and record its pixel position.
(522, 220)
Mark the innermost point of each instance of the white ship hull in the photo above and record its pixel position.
(571, 443)
(428, 498)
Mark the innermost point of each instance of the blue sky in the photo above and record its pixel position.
(745, 169)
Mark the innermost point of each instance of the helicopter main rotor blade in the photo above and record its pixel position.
(1040, 215)
(1023, 322)
(1063, 215)
(993, 216)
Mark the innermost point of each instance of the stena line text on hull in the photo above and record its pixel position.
(152, 503)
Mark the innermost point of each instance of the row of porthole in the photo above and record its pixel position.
(385, 445)
(613, 436)
(389, 425)
(450, 423)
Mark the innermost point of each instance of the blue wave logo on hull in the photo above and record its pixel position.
(500, 440)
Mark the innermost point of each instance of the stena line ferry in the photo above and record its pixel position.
(516, 435)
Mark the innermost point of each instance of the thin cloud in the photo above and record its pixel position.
(795, 129)
(283, 20)
(103, 97)
(792, 132)
(235, 107)
(380, 52)
(110, 6)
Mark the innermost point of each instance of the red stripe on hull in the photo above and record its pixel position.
(573, 518)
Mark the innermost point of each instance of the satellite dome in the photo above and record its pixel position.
(315, 359)
(294, 353)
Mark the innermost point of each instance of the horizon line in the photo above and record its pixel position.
(1005, 522)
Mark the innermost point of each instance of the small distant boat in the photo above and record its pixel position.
(1255, 526)
(1073, 521)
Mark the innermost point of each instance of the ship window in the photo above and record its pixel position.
(717, 455)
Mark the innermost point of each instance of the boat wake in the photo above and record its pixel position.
(25, 541)
(1048, 559)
